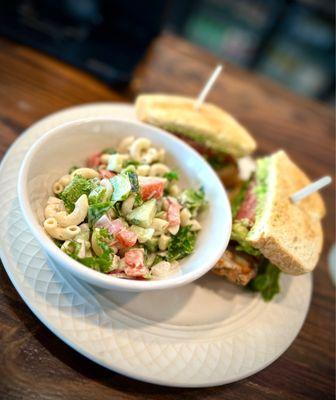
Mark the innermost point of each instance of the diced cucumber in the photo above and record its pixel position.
(144, 234)
(121, 187)
(143, 215)
(152, 245)
(116, 162)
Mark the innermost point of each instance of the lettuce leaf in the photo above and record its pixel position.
(98, 210)
(182, 244)
(267, 280)
(72, 192)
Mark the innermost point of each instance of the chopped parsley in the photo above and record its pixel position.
(97, 195)
(182, 244)
(172, 175)
(98, 210)
(76, 188)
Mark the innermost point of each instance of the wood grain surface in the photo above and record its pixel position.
(35, 364)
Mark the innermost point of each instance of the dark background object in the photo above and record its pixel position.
(291, 41)
(105, 37)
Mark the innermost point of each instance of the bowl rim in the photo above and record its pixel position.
(96, 277)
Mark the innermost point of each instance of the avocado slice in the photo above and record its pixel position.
(143, 216)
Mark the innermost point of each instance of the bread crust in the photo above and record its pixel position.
(288, 234)
(210, 125)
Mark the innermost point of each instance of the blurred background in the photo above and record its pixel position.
(290, 41)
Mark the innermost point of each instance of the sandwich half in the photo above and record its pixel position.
(210, 130)
(270, 233)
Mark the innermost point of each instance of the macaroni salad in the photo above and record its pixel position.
(124, 214)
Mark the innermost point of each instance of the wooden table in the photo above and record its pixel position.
(35, 364)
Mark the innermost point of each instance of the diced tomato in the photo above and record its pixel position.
(173, 212)
(104, 173)
(127, 238)
(151, 187)
(93, 160)
(136, 272)
(134, 260)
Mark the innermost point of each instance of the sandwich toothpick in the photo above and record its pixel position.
(207, 87)
(311, 188)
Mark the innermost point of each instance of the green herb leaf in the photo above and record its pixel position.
(98, 210)
(97, 195)
(182, 244)
(267, 280)
(102, 263)
(109, 150)
(172, 175)
(132, 162)
(72, 192)
(72, 249)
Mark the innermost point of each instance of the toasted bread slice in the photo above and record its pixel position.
(210, 126)
(289, 235)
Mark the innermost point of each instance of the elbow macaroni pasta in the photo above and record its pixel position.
(87, 173)
(77, 216)
(56, 232)
(158, 169)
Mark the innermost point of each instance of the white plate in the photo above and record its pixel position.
(203, 334)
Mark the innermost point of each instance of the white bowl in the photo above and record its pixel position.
(70, 144)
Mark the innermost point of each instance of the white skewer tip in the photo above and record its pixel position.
(310, 189)
(207, 87)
